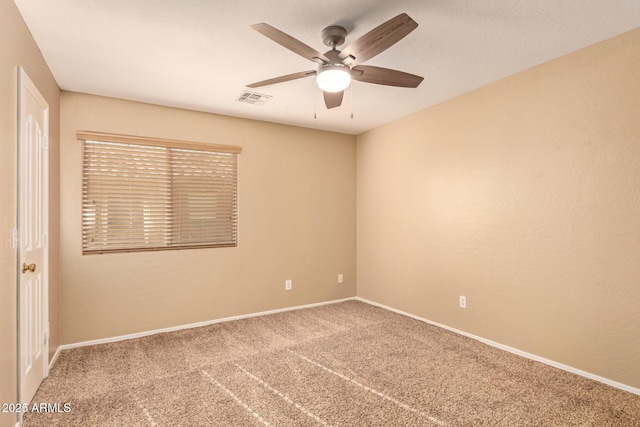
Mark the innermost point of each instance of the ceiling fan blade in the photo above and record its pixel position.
(285, 40)
(288, 77)
(385, 76)
(379, 39)
(333, 99)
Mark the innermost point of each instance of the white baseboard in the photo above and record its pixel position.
(54, 359)
(192, 325)
(513, 350)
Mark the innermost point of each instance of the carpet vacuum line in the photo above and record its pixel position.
(369, 389)
(144, 410)
(284, 397)
(236, 398)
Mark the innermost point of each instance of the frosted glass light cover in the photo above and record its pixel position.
(333, 78)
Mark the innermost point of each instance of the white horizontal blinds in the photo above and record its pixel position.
(144, 197)
(125, 197)
(203, 198)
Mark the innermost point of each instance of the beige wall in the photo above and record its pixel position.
(296, 221)
(524, 196)
(17, 48)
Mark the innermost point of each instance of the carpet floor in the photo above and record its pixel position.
(345, 364)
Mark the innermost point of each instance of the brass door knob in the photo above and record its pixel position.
(30, 267)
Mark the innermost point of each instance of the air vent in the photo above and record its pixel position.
(253, 98)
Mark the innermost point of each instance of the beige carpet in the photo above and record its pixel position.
(347, 364)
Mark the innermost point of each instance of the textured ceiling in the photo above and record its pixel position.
(200, 54)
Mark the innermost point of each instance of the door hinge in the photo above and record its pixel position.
(46, 337)
(45, 239)
(46, 143)
(14, 238)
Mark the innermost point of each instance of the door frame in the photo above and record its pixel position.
(26, 84)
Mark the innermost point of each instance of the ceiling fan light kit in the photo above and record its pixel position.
(333, 77)
(337, 68)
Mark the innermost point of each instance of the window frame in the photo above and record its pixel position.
(172, 147)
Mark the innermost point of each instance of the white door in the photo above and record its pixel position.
(33, 205)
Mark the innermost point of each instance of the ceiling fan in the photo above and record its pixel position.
(337, 68)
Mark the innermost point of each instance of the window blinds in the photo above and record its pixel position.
(141, 194)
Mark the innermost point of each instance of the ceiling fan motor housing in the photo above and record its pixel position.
(334, 57)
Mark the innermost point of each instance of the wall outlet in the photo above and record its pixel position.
(463, 301)
(287, 285)
(340, 278)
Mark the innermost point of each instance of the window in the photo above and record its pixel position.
(143, 194)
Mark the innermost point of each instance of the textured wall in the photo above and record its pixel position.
(17, 48)
(523, 196)
(296, 221)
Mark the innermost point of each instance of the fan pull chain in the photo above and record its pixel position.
(315, 103)
(351, 90)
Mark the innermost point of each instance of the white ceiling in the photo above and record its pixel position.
(200, 54)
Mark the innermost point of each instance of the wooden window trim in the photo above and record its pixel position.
(84, 135)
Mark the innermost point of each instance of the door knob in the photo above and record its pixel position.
(30, 267)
